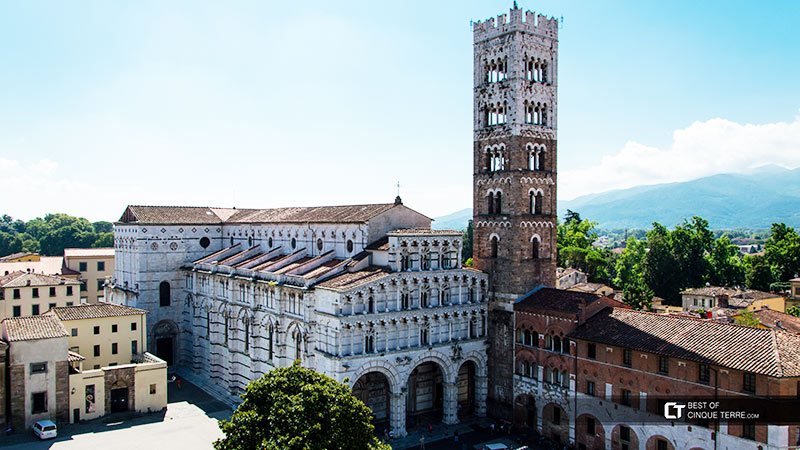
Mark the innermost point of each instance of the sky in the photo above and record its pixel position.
(258, 104)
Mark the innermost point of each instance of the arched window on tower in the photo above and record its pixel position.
(539, 199)
(490, 201)
(498, 203)
(495, 242)
(164, 294)
(370, 305)
(535, 248)
(369, 341)
(298, 341)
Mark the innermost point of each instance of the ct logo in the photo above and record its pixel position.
(673, 410)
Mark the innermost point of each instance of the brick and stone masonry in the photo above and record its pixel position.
(514, 184)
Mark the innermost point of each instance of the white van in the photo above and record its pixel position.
(45, 429)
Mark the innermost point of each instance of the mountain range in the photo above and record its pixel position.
(754, 199)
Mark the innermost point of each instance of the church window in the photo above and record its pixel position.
(556, 344)
(498, 203)
(527, 338)
(423, 299)
(250, 241)
(424, 335)
(494, 246)
(231, 239)
(270, 348)
(490, 198)
(369, 342)
(349, 246)
(405, 262)
(205, 242)
(473, 328)
(538, 200)
(294, 243)
(450, 259)
(319, 244)
(164, 293)
(370, 305)
(405, 300)
(246, 335)
(535, 248)
(269, 242)
(298, 341)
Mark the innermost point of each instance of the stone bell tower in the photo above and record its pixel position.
(514, 190)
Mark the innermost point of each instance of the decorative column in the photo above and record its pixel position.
(398, 413)
(481, 391)
(450, 403)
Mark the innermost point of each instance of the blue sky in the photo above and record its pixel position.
(266, 104)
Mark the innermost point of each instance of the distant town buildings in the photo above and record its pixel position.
(566, 277)
(95, 266)
(710, 297)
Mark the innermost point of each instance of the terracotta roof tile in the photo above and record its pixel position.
(558, 300)
(764, 351)
(770, 317)
(27, 328)
(350, 280)
(94, 311)
(22, 279)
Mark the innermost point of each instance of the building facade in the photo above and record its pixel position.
(597, 373)
(31, 294)
(514, 181)
(365, 293)
(95, 266)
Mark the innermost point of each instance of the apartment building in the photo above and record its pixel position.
(31, 294)
(95, 265)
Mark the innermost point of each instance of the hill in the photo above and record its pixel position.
(751, 200)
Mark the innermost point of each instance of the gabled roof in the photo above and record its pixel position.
(206, 215)
(558, 300)
(23, 279)
(94, 311)
(765, 351)
(27, 328)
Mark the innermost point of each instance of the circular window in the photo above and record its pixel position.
(205, 242)
(294, 243)
(319, 244)
(173, 246)
(270, 242)
(154, 246)
(349, 246)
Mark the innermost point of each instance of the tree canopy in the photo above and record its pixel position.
(574, 241)
(294, 408)
(51, 235)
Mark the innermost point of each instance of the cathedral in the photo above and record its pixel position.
(369, 295)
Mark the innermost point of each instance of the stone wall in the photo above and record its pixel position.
(17, 396)
(62, 392)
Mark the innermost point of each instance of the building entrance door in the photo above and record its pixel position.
(119, 399)
(164, 349)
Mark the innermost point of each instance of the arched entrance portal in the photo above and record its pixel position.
(373, 390)
(425, 395)
(165, 334)
(466, 389)
(525, 412)
(118, 397)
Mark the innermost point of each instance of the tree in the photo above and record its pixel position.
(747, 318)
(466, 243)
(758, 274)
(726, 268)
(782, 251)
(793, 311)
(574, 242)
(630, 275)
(661, 268)
(294, 408)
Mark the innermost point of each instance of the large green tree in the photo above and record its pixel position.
(725, 264)
(466, 243)
(294, 408)
(574, 242)
(630, 274)
(782, 250)
(758, 274)
(51, 235)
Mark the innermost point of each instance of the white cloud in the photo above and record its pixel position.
(43, 167)
(702, 149)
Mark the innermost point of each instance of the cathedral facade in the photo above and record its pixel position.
(368, 295)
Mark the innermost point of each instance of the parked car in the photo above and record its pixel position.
(45, 429)
(495, 447)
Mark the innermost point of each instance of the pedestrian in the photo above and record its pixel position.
(492, 428)
(455, 437)
(179, 383)
(430, 429)
(422, 443)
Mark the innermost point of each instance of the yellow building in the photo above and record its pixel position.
(20, 257)
(31, 294)
(105, 334)
(794, 292)
(593, 288)
(722, 297)
(95, 265)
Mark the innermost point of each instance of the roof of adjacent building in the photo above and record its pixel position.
(88, 252)
(14, 256)
(206, 215)
(94, 311)
(27, 328)
(588, 287)
(423, 231)
(710, 291)
(760, 350)
(350, 280)
(50, 265)
(24, 279)
(771, 318)
(380, 244)
(75, 357)
(558, 300)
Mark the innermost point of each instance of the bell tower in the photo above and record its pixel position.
(514, 182)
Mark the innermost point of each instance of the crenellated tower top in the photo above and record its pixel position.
(528, 22)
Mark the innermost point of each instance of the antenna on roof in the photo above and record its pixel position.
(398, 200)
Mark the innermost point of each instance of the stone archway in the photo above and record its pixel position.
(624, 438)
(165, 337)
(659, 442)
(466, 389)
(590, 432)
(555, 423)
(425, 402)
(525, 413)
(373, 390)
